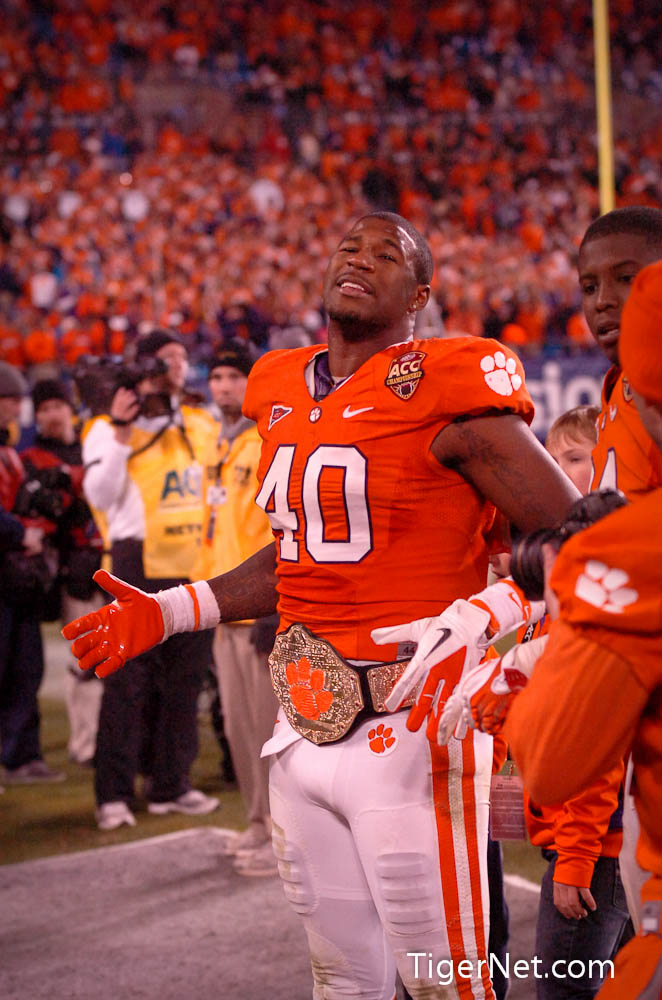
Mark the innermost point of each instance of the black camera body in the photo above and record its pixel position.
(98, 379)
(42, 494)
(526, 559)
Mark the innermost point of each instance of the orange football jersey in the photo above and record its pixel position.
(624, 457)
(597, 688)
(371, 529)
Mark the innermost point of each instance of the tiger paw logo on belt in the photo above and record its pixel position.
(321, 694)
(307, 691)
(405, 374)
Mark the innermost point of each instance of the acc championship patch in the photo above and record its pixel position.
(405, 374)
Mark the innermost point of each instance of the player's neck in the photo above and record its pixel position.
(347, 355)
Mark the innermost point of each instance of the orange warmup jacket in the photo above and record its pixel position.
(596, 692)
(584, 827)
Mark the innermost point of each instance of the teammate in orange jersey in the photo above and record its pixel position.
(382, 459)
(596, 691)
(614, 249)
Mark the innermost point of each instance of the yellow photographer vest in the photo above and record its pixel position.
(168, 474)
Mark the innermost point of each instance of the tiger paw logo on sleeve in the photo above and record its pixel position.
(501, 373)
(405, 373)
(605, 588)
(307, 691)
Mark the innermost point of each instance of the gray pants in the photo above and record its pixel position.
(82, 689)
(249, 711)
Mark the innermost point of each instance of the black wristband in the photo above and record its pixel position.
(116, 422)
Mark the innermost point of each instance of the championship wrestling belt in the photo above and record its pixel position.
(323, 695)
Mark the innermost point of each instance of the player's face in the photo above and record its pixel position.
(573, 455)
(370, 283)
(651, 416)
(228, 388)
(607, 267)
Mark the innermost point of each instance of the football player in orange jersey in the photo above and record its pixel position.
(383, 461)
(596, 691)
(614, 249)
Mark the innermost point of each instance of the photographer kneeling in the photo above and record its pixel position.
(142, 470)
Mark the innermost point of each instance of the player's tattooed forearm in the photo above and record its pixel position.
(493, 472)
(249, 591)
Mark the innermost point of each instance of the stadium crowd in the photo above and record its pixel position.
(213, 212)
(474, 121)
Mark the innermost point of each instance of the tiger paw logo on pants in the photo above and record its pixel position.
(381, 740)
(307, 691)
(604, 588)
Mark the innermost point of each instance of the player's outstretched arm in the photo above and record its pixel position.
(135, 621)
(249, 590)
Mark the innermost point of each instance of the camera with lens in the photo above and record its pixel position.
(43, 493)
(526, 559)
(98, 379)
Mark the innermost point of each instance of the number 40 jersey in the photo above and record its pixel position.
(371, 529)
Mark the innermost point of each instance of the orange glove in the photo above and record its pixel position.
(107, 638)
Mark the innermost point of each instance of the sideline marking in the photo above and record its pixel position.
(518, 882)
(224, 833)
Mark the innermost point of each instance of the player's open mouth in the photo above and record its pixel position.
(608, 335)
(350, 286)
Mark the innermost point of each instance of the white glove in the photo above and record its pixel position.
(462, 626)
(464, 630)
(483, 697)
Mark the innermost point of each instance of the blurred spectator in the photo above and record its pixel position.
(56, 458)
(22, 586)
(143, 471)
(234, 528)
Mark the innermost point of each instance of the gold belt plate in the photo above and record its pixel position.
(320, 693)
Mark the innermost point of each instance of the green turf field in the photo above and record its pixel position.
(41, 820)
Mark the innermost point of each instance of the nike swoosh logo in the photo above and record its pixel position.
(445, 632)
(516, 602)
(349, 412)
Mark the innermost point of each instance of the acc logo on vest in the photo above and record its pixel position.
(184, 485)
